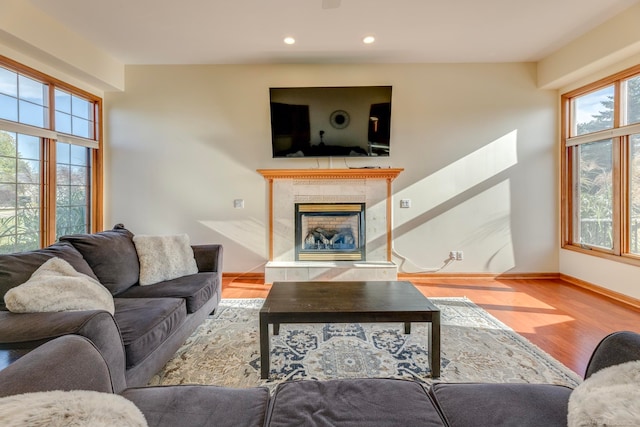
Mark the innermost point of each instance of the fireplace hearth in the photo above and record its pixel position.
(330, 231)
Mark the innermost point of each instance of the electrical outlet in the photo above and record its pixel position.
(238, 203)
(405, 203)
(459, 256)
(453, 255)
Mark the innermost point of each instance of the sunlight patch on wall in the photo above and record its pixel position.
(456, 178)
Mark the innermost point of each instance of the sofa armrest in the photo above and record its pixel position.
(30, 330)
(614, 349)
(208, 257)
(67, 363)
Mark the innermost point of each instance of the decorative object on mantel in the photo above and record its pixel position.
(475, 347)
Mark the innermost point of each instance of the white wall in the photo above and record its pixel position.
(477, 141)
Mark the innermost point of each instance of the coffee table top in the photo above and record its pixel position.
(346, 297)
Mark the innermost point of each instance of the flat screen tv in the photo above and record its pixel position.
(330, 121)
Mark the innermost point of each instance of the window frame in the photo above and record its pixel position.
(48, 163)
(620, 135)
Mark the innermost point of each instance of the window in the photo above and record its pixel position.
(20, 188)
(72, 189)
(601, 168)
(49, 157)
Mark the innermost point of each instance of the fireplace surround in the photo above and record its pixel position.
(367, 188)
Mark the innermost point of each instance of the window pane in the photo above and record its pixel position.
(31, 90)
(7, 143)
(632, 108)
(28, 171)
(634, 196)
(29, 147)
(8, 170)
(63, 122)
(31, 114)
(81, 108)
(593, 112)
(63, 152)
(79, 175)
(7, 196)
(79, 155)
(28, 195)
(8, 82)
(594, 195)
(8, 108)
(78, 196)
(80, 127)
(63, 173)
(63, 101)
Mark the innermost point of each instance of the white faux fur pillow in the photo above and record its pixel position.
(69, 408)
(610, 397)
(164, 257)
(57, 286)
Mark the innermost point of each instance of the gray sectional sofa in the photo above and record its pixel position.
(149, 323)
(75, 363)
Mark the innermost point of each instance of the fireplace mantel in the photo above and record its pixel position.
(289, 186)
(355, 173)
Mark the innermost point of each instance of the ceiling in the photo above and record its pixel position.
(330, 31)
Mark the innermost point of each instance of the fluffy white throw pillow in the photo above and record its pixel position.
(164, 257)
(57, 286)
(610, 397)
(69, 408)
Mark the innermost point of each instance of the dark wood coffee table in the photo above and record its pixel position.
(348, 302)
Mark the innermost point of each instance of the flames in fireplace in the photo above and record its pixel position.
(330, 231)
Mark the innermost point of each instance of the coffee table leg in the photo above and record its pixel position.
(276, 329)
(407, 327)
(264, 346)
(434, 344)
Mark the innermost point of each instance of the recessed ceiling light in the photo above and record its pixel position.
(289, 40)
(368, 40)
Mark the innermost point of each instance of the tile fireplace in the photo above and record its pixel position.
(329, 224)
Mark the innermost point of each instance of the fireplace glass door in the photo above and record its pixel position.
(330, 231)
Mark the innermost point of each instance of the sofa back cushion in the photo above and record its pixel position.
(16, 269)
(112, 256)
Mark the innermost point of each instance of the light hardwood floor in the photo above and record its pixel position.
(564, 320)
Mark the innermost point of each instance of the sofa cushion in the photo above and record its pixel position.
(523, 405)
(69, 408)
(610, 397)
(196, 289)
(112, 256)
(164, 257)
(15, 269)
(198, 405)
(354, 402)
(145, 323)
(57, 286)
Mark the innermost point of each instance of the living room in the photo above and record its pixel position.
(478, 142)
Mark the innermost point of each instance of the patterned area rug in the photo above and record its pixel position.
(475, 346)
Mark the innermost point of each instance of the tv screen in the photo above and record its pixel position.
(330, 121)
